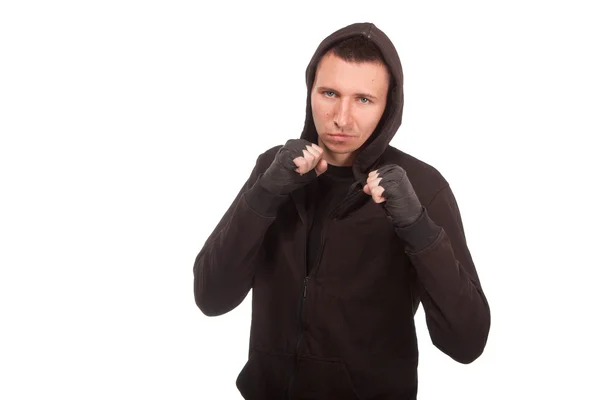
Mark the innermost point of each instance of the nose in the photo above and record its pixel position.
(342, 117)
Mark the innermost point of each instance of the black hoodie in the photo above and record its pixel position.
(346, 330)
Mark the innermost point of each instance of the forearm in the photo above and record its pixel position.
(456, 309)
(224, 268)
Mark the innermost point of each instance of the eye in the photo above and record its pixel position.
(367, 101)
(329, 91)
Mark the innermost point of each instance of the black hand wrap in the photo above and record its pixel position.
(401, 203)
(281, 176)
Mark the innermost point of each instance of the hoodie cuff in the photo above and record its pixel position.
(420, 234)
(263, 202)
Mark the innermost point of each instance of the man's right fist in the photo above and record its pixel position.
(297, 163)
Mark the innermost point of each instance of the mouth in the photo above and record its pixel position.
(339, 138)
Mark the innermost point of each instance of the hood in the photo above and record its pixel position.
(391, 119)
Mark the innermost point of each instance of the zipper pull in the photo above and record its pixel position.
(305, 284)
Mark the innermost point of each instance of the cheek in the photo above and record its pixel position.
(372, 119)
(320, 111)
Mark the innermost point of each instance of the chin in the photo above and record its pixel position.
(341, 149)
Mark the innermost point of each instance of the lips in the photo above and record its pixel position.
(338, 138)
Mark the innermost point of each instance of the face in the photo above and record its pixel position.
(347, 101)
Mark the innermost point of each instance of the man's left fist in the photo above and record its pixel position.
(390, 185)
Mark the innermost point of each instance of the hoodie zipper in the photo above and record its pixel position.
(300, 319)
(307, 278)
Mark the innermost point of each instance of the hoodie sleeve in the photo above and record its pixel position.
(456, 309)
(224, 268)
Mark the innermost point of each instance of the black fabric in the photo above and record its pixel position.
(264, 202)
(356, 310)
(329, 190)
(421, 234)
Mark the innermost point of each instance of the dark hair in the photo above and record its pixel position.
(360, 49)
(357, 49)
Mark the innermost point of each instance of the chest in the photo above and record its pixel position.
(355, 251)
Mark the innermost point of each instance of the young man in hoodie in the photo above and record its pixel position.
(341, 236)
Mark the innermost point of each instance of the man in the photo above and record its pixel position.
(340, 236)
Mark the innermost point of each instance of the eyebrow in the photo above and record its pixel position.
(325, 88)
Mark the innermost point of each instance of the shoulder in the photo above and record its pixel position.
(426, 179)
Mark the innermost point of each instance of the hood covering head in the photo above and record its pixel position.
(391, 119)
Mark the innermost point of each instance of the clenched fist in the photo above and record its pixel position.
(296, 164)
(390, 185)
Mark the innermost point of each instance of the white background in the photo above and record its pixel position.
(127, 127)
